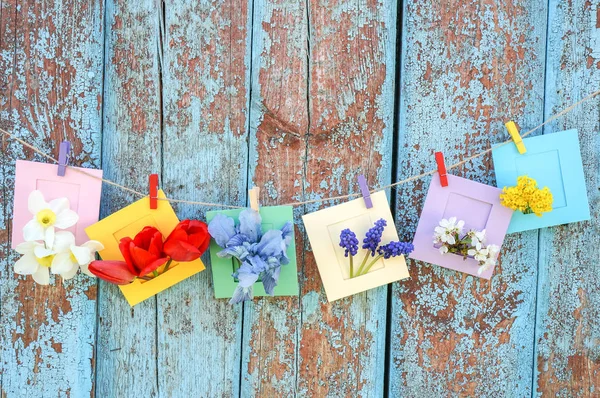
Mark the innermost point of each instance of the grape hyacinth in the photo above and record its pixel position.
(349, 242)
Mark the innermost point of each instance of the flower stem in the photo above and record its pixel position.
(155, 273)
(168, 265)
(145, 278)
(351, 266)
(371, 264)
(362, 265)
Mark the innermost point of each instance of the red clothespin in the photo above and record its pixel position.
(63, 157)
(153, 182)
(439, 158)
(364, 189)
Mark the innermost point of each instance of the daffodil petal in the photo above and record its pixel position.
(93, 245)
(62, 263)
(49, 236)
(63, 240)
(26, 265)
(33, 231)
(66, 218)
(36, 202)
(41, 276)
(82, 254)
(70, 274)
(25, 247)
(40, 251)
(59, 205)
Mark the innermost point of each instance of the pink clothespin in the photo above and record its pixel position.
(63, 157)
(439, 158)
(153, 182)
(364, 189)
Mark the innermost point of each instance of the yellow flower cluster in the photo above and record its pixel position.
(527, 197)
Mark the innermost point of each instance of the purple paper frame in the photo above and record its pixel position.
(475, 203)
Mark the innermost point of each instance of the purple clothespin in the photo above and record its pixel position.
(63, 157)
(364, 189)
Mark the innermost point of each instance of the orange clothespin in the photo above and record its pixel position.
(153, 183)
(253, 198)
(439, 159)
(516, 137)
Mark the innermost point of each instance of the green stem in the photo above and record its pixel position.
(371, 264)
(351, 266)
(145, 278)
(155, 273)
(362, 265)
(168, 265)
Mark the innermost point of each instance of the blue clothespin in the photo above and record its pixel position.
(364, 189)
(63, 157)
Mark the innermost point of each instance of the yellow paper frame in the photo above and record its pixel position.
(128, 222)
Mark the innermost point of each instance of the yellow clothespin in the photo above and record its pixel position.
(253, 198)
(514, 133)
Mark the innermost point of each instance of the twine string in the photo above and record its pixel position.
(319, 200)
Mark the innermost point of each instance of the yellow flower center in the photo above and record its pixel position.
(46, 217)
(73, 259)
(45, 261)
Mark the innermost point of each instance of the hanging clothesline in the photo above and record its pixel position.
(393, 185)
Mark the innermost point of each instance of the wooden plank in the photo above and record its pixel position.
(307, 346)
(126, 348)
(466, 69)
(50, 88)
(205, 90)
(568, 327)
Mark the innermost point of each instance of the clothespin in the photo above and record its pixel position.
(253, 198)
(516, 137)
(439, 158)
(153, 186)
(63, 157)
(364, 189)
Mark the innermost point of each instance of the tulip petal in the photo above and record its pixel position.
(36, 202)
(58, 205)
(116, 272)
(66, 219)
(26, 265)
(125, 246)
(62, 263)
(33, 231)
(141, 259)
(41, 276)
(152, 266)
(181, 251)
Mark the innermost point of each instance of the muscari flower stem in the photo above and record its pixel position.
(371, 264)
(362, 265)
(351, 266)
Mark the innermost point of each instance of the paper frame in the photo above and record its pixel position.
(27, 176)
(326, 250)
(224, 284)
(165, 220)
(570, 176)
(434, 210)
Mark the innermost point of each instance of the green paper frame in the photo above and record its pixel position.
(273, 217)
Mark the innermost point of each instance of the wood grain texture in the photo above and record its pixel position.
(568, 327)
(466, 67)
(206, 53)
(126, 348)
(48, 92)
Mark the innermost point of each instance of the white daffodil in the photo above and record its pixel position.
(70, 258)
(46, 217)
(36, 261)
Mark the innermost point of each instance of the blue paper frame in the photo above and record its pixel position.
(554, 160)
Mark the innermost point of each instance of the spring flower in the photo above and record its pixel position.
(476, 237)
(144, 253)
(70, 257)
(36, 261)
(349, 242)
(448, 230)
(394, 249)
(526, 197)
(116, 272)
(46, 217)
(478, 252)
(259, 255)
(188, 241)
(373, 236)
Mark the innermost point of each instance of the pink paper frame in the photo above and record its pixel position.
(475, 203)
(82, 190)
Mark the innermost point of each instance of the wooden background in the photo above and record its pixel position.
(299, 97)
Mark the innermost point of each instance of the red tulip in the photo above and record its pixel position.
(116, 272)
(144, 253)
(188, 241)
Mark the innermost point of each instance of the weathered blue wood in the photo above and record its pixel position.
(466, 69)
(206, 53)
(567, 335)
(50, 88)
(126, 349)
(322, 94)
